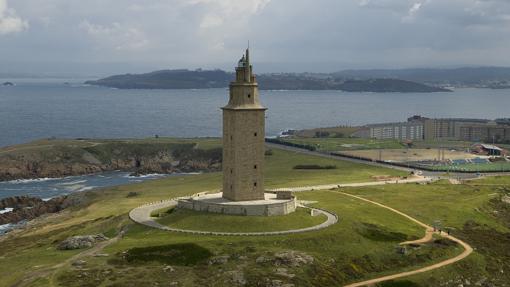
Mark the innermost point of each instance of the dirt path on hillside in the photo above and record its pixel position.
(467, 248)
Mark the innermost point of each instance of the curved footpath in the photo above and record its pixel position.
(428, 236)
(142, 215)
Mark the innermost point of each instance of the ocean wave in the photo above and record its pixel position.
(4, 228)
(86, 188)
(72, 182)
(7, 209)
(146, 175)
(74, 187)
(42, 179)
(10, 226)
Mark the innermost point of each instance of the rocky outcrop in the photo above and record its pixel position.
(79, 242)
(290, 258)
(18, 202)
(28, 208)
(72, 158)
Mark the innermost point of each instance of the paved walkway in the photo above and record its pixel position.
(417, 179)
(142, 215)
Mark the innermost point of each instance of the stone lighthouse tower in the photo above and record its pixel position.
(243, 137)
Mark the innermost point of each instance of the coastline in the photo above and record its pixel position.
(73, 195)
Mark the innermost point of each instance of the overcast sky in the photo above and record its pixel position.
(98, 37)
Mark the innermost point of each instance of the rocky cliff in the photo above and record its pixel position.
(67, 158)
(27, 208)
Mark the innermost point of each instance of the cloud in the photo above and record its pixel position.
(295, 35)
(119, 36)
(9, 21)
(211, 21)
(410, 17)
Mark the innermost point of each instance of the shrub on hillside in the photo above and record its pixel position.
(314, 166)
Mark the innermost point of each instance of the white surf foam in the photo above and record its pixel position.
(72, 182)
(21, 181)
(8, 209)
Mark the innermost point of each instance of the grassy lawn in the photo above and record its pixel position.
(107, 211)
(363, 244)
(343, 144)
(469, 210)
(453, 205)
(279, 171)
(493, 180)
(193, 220)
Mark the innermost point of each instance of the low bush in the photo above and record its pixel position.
(298, 145)
(379, 233)
(185, 254)
(314, 166)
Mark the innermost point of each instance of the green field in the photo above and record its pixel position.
(362, 245)
(343, 144)
(472, 211)
(280, 172)
(193, 220)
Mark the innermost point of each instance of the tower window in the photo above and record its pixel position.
(249, 96)
(230, 137)
(255, 167)
(254, 184)
(254, 134)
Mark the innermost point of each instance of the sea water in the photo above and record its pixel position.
(68, 109)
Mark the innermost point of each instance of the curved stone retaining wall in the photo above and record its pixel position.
(271, 209)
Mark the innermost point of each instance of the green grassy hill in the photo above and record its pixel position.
(364, 244)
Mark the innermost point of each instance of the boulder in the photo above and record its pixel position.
(219, 260)
(83, 241)
(262, 259)
(79, 263)
(168, 268)
(292, 258)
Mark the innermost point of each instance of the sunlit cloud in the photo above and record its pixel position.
(9, 21)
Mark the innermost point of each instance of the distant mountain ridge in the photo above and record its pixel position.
(203, 79)
(168, 79)
(460, 77)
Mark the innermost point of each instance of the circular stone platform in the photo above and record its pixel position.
(142, 215)
(273, 204)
